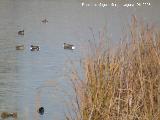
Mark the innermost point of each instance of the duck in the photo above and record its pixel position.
(34, 48)
(41, 110)
(7, 115)
(68, 46)
(21, 32)
(20, 47)
(45, 21)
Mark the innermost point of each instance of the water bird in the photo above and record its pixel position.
(34, 48)
(7, 115)
(20, 47)
(21, 32)
(68, 46)
(41, 110)
(45, 21)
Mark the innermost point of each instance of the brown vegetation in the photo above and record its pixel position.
(124, 84)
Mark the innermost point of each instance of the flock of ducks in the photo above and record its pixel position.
(22, 47)
(36, 47)
(5, 115)
(32, 47)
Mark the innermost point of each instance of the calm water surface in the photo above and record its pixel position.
(32, 79)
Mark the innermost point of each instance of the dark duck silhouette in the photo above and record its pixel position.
(21, 32)
(68, 46)
(45, 21)
(41, 110)
(34, 48)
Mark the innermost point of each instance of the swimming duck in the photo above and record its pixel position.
(41, 110)
(68, 46)
(21, 32)
(7, 114)
(34, 48)
(45, 21)
(20, 47)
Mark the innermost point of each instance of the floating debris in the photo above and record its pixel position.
(68, 46)
(21, 32)
(41, 110)
(20, 47)
(34, 48)
(5, 115)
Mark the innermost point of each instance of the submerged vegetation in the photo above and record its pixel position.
(120, 84)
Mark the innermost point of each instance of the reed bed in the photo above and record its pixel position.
(120, 85)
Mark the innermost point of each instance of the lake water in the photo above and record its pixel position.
(32, 79)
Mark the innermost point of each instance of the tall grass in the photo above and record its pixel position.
(121, 85)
